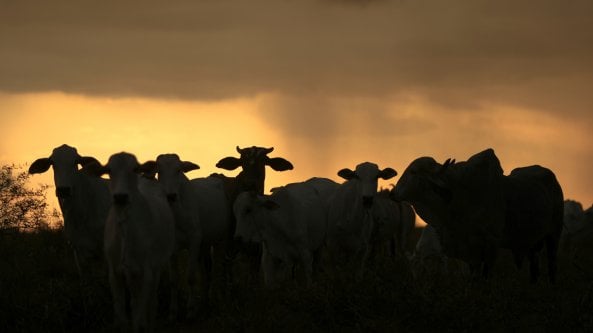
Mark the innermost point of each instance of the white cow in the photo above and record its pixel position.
(291, 224)
(84, 201)
(429, 251)
(183, 201)
(201, 212)
(351, 216)
(139, 239)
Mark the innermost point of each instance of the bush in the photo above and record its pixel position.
(22, 208)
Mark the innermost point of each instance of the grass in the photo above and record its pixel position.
(40, 291)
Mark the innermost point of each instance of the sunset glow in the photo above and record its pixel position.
(204, 132)
(380, 81)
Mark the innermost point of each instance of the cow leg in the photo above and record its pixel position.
(137, 283)
(206, 279)
(267, 264)
(533, 266)
(118, 292)
(255, 253)
(307, 261)
(367, 256)
(153, 300)
(173, 274)
(552, 252)
(392, 247)
(195, 260)
(518, 258)
(144, 298)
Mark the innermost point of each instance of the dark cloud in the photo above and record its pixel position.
(459, 54)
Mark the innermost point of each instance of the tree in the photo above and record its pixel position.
(22, 207)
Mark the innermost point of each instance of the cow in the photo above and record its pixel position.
(84, 201)
(404, 225)
(354, 226)
(428, 251)
(574, 218)
(463, 201)
(202, 218)
(184, 202)
(139, 239)
(534, 217)
(291, 224)
(253, 161)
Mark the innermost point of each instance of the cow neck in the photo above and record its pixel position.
(137, 205)
(274, 235)
(258, 187)
(185, 192)
(429, 213)
(356, 214)
(77, 210)
(283, 228)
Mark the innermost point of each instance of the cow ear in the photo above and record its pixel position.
(387, 173)
(188, 166)
(229, 163)
(279, 164)
(347, 174)
(269, 204)
(41, 165)
(148, 167)
(94, 169)
(84, 160)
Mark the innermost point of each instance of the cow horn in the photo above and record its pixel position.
(268, 150)
(446, 165)
(239, 150)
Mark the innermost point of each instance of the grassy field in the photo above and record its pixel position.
(40, 291)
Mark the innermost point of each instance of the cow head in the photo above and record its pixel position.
(247, 208)
(368, 175)
(65, 161)
(170, 170)
(253, 161)
(423, 179)
(123, 170)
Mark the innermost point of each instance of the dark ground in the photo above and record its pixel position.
(40, 291)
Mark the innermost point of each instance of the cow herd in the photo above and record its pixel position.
(143, 217)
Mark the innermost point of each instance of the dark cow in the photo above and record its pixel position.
(534, 215)
(463, 201)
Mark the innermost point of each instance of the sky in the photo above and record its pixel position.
(327, 83)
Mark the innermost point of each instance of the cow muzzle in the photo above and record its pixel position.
(367, 201)
(172, 197)
(63, 192)
(120, 198)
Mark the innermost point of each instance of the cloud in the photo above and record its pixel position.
(458, 53)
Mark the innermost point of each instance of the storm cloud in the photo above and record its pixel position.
(458, 54)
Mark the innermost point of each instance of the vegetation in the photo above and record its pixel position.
(40, 290)
(21, 208)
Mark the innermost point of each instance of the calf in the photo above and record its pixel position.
(290, 223)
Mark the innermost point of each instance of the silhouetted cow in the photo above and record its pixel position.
(84, 201)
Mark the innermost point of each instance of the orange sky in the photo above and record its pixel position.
(328, 83)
